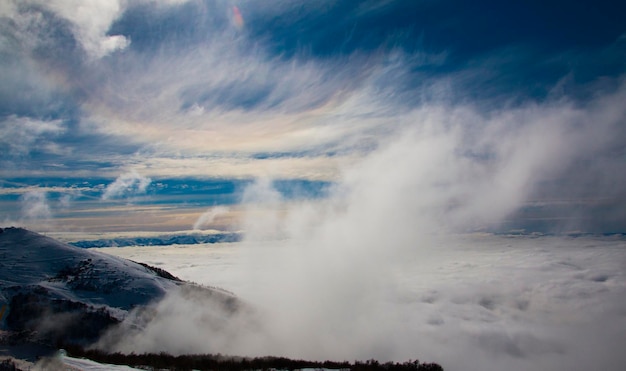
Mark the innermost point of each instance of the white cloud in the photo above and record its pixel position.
(223, 97)
(35, 206)
(90, 22)
(126, 185)
(189, 102)
(20, 134)
(263, 220)
(331, 288)
(209, 216)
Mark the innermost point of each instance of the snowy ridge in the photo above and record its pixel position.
(53, 291)
(30, 259)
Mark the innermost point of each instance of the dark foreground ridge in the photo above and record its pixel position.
(8, 365)
(220, 362)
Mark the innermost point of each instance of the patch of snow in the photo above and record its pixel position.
(83, 364)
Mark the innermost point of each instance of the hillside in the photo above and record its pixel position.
(51, 291)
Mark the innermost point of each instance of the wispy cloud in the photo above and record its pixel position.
(126, 185)
(35, 206)
(21, 135)
(207, 218)
(55, 189)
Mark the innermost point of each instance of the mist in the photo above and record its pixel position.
(209, 216)
(400, 260)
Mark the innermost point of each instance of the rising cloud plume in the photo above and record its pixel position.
(209, 216)
(389, 264)
(35, 206)
(126, 185)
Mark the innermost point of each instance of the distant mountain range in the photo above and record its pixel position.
(182, 239)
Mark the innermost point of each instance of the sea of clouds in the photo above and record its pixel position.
(468, 302)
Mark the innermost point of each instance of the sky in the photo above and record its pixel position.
(439, 139)
(166, 115)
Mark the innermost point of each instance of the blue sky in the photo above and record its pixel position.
(173, 105)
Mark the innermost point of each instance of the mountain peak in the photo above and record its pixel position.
(43, 281)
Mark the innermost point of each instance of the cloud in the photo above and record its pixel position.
(22, 135)
(264, 203)
(468, 302)
(89, 23)
(204, 106)
(23, 189)
(209, 216)
(126, 185)
(225, 98)
(449, 170)
(310, 167)
(384, 267)
(177, 315)
(198, 91)
(35, 206)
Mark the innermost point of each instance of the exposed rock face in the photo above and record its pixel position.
(38, 317)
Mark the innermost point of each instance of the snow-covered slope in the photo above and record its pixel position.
(28, 258)
(53, 291)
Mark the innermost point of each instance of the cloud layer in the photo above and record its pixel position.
(469, 302)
